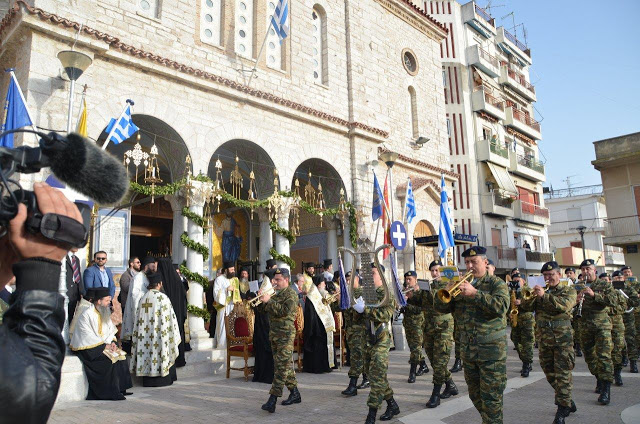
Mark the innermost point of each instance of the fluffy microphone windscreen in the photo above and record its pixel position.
(86, 168)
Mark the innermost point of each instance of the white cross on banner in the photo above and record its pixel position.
(398, 235)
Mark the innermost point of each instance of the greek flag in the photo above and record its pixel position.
(345, 300)
(410, 202)
(376, 206)
(279, 19)
(445, 233)
(121, 129)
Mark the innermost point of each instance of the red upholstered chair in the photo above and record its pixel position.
(239, 329)
(298, 342)
(339, 337)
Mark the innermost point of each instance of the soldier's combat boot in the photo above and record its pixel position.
(525, 370)
(573, 407)
(294, 397)
(412, 374)
(271, 404)
(434, 400)
(598, 387)
(365, 382)
(352, 390)
(371, 417)
(422, 369)
(617, 377)
(605, 394)
(561, 414)
(457, 365)
(450, 389)
(633, 366)
(625, 360)
(578, 350)
(392, 409)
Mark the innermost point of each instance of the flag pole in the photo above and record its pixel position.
(264, 41)
(33, 123)
(406, 197)
(106, 142)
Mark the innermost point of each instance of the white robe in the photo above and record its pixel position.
(82, 306)
(92, 331)
(137, 289)
(222, 297)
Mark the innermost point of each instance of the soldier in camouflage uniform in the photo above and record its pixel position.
(376, 352)
(553, 308)
(413, 321)
(627, 273)
(282, 308)
(633, 301)
(570, 273)
(595, 328)
(522, 335)
(354, 328)
(628, 299)
(481, 310)
(438, 341)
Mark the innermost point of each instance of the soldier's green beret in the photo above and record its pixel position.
(587, 262)
(616, 274)
(570, 269)
(624, 268)
(410, 274)
(474, 251)
(282, 271)
(550, 266)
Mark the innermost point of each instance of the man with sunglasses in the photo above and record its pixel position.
(98, 275)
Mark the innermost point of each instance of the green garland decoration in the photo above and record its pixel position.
(194, 276)
(159, 191)
(282, 258)
(199, 312)
(194, 245)
(283, 232)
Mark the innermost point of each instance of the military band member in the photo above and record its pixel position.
(438, 341)
(378, 341)
(355, 334)
(480, 310)
(631, 349)
(570, 273)
(413, 322)
(522, 335)
(628, 297)
(282, 308)
(627, 273)
(595, 328)
(457, 363)
(553, 308)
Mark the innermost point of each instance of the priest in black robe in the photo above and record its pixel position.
(316, 353)
(174, 289)
(93, 341)
(263, 369)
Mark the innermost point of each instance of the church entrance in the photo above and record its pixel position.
(424, 254)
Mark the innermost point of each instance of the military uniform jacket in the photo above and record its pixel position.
(415, 308)
(481, 319)
(382, 314)
(431, 313)
(553, 313)
(621, 304)
(282, 308)
(605, 296)
(522, 314)
(351, 317)
(634, 299)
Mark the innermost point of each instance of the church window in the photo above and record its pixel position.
(210, 17)
(150, 8)
(319, 48)
(409, 62)
(414, 112)
(244, 28)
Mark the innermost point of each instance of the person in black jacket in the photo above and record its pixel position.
(75, 287)
(32, 348)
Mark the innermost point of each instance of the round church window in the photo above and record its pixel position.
(409, 62)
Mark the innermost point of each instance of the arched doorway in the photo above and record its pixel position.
(151, 224)
(319, 184)
(424, 255)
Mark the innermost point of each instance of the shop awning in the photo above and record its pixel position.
(503, 178)
(432, 241)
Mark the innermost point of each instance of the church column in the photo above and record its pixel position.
(282, 244)
(178, 251)
(195, 262)
(266, 240)
(332, 242)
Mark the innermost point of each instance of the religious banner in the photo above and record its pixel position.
(112, 235)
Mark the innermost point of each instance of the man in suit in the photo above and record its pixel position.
(126, 279)
(98, 275)
(75, 287)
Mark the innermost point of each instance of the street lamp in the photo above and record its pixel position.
(74, 64)
(581, 230)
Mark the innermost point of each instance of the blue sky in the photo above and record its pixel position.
(586, 69)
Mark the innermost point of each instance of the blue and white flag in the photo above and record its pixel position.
(445, 233)
(15, 110)
(279, 19)
(376, 206)
(345, 300)
(397, 287)
(410, 202)
(122, 128)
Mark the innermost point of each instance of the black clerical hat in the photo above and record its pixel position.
(148, 260)
(154, 278)
(100, 292)
(327, 263)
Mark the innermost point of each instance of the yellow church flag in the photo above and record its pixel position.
(82, 122)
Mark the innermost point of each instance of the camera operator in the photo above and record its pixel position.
(31, 344)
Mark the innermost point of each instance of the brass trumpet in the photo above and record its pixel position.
(445, 295)
(329, 299)
(258, 300)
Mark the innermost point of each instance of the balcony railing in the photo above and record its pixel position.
(531, 163)
(483, 13)
(501, 200)
(622, 227)
(533, 209)
(514, 40)
(533, 256)
(498, 149)
(520, 79)
(486, 56)
(505, 252)
(526, 119)
(493, 101)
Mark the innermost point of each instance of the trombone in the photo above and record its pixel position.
(445, 295)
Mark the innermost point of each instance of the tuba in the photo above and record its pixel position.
(369, 292)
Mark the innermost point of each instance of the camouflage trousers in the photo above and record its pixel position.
(486, 381)
(283, 372)
(557, 359)
(438, 341)
(630, 336)
(376, 358)
(577, 334)
(636, 317)
(456, 340)
(617, 340)
(523, 338)
(415, 338)
(355, 339)
(596, 345)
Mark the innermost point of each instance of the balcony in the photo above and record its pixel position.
(479, 19)
(517, 82)
(530, 212)
(613, 256)
(477, 56)
(503, 256)
(507, 258)
(522, 122)
(622, 231)
(573, 256)
(527, 166)
(513, 46)
(497, 203)
(492, 151)
(481, 100)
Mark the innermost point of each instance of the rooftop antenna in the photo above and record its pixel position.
(513, 19)
(492, 6)
(568, 182)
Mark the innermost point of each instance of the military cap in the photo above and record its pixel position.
(550, 266)
(474, 251)
(625, 268)
(491, 262)
(570, 269)
(100, 292)
(282, 271)
(410, 274)
(616, 274)
(516, 275)
(437, 262)
(327, 263)
(382, 268)
(603, 275)
(271, 263)
(587, 262)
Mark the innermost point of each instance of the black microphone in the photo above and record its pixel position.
(86, 168)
